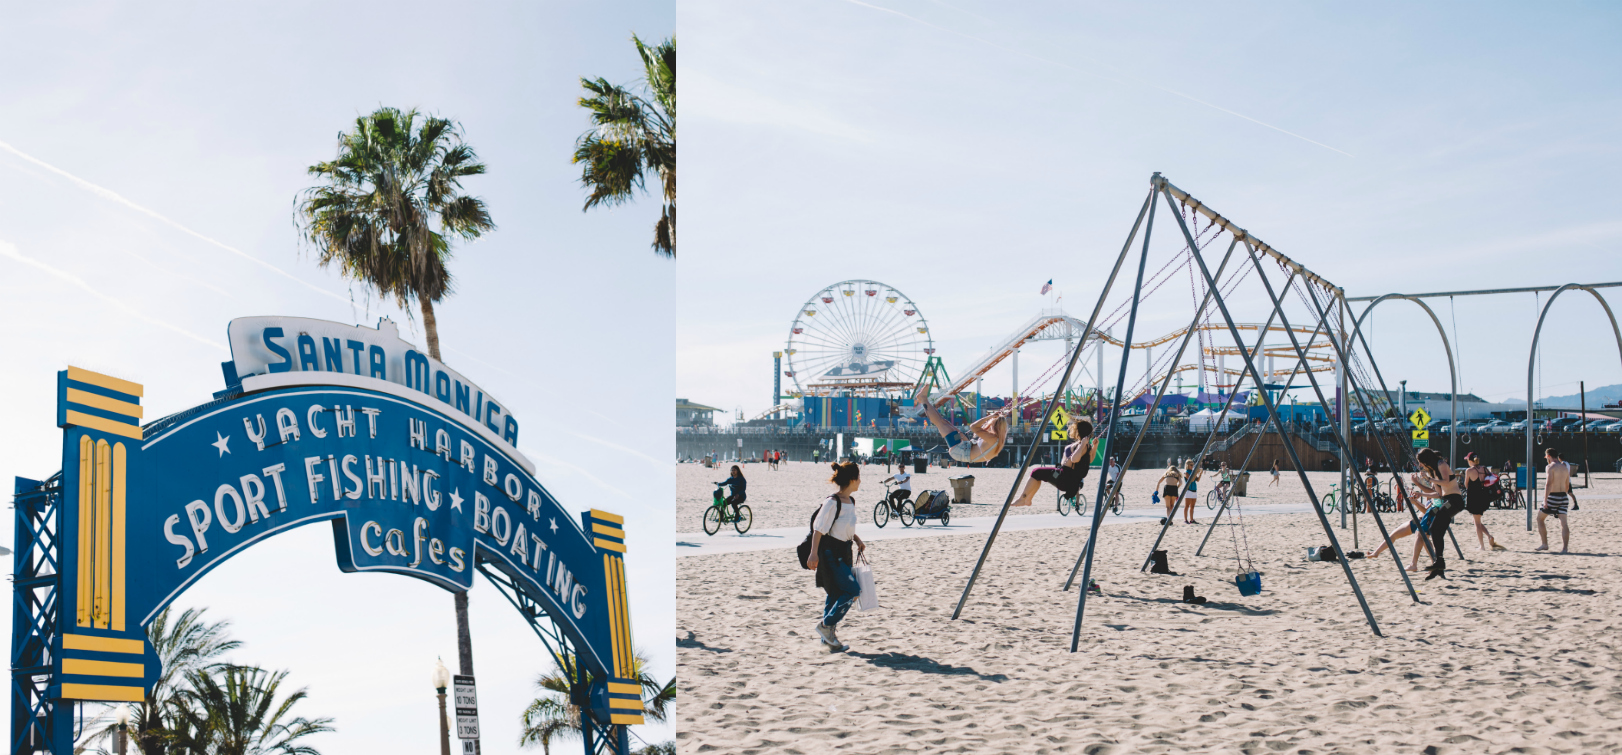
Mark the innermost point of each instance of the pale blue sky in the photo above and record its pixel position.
(966, 152)
(207, 115)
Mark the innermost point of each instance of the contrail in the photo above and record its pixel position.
(9, 250)
(113, 196)
(1167, 90)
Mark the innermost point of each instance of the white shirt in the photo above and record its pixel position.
(843, 528)
(1114, 472)
(903, 480)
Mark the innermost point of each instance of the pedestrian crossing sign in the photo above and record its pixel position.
(1420, 418)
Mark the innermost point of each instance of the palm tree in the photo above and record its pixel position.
(391, 183)
(554, 717)
(234, 710)
(375, 214)
(186, 643)
(632, 136)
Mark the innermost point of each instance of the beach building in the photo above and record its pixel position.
(689, 414)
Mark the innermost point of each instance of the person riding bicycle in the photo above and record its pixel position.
(738, 486)
(903, 486)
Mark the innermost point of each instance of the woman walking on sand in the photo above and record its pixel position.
(832, 532)
(1169, 482)
(1191, 495)
(1478, 499)
(1275, 474)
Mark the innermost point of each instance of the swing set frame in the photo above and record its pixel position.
(1340, 340)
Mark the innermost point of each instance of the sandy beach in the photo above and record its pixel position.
(1517, 652)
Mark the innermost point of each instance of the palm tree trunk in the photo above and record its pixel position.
(430, 327)
(464, 636)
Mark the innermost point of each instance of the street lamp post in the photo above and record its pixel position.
(123, 718)
(442, 679)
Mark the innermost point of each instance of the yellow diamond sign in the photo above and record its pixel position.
(1420, 418)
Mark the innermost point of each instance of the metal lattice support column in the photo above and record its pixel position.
(39, 722)
(599, 738)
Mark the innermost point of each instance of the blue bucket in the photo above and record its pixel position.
(1250, 583)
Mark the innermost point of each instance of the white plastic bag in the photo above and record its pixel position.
(869, 599)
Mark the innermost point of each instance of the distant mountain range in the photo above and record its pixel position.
(1597, 397)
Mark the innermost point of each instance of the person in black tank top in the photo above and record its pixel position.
(1477, 499)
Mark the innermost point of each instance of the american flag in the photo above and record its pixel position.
(1046, 287)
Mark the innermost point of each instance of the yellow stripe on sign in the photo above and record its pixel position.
(99, 401)
(104, 692)
(625, 704)
(109, 382)
(613, 613)
(625, 719)
(87, 481)
(624, 630)
(603, 529)
(609, 545)
(104, 531)
(105, 425)
(102, 644)
(102, 668)
(116, 555)
(607, 517)
(625, 689)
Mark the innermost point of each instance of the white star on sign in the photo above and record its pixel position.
(456, 500)
(222, 443)
(554, 526)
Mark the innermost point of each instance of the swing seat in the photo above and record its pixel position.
(1250, 583)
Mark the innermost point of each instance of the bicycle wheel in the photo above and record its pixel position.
(1079, 504)
(744, 519)
(1211, 500)
(1116, 504)
(1328, 502)
(1064, 505)
(907, 514)
(881, 514)
(712, 521)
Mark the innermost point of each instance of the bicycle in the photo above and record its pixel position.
(739, 516)
(1076, 503)
(884, 509)
(1328, 499)
(1218, 496)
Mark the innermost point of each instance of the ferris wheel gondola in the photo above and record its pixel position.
(872, 343)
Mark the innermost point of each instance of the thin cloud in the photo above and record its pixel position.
(10, 250)
(112, 196)
(1123, 82)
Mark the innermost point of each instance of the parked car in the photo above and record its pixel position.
(1437, 426)
(1494, 426)
(1565, 424)
(1520, 427)
(1594, 426)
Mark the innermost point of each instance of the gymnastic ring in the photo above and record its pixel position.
(1465, 439)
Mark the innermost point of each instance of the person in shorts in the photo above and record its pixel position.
(1072, 470)
(1275, 474)
(1478, 498)
(1191, 495)
(982, 443)
(1168, 484)
(1556, 500)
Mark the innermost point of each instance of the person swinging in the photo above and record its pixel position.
(1071, 473)
(983, 442)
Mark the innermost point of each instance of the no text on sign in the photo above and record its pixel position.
(1420, 418)
(467, 707)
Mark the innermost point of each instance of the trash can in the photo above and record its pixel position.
(1520, 478)
(961, 487)
(1239, 482)
(920, 463)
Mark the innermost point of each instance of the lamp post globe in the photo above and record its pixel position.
(442, 680)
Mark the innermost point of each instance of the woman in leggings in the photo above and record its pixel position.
(1438, 475)
(1072, 470)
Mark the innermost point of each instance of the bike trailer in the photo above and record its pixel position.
(931, 502)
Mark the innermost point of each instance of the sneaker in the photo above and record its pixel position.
(828, 637)
(1495, 546)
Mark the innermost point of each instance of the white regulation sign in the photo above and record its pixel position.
(467, 707)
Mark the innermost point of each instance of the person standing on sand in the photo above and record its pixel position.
(1556, 497)
(1191, 496)
(1275, 474)
(1477, 499)
(832, 532)
(1169, 482)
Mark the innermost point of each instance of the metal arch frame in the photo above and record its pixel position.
(1452, 367)
(599, 738)
(40, 722)
(789, 348)
(1531, 366)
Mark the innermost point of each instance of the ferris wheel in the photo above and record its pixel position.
(857, 334)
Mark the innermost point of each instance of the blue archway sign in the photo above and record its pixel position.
(413, 466)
